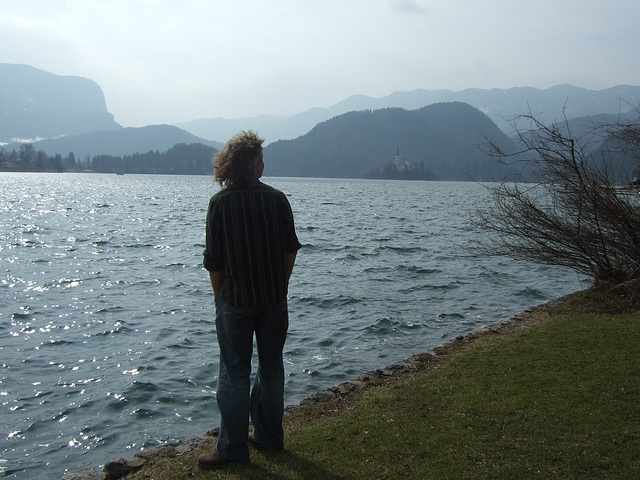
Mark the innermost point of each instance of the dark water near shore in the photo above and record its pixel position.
(107, 341)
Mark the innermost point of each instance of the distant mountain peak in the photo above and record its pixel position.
(40, 104)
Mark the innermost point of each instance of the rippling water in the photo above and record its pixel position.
(107, 338)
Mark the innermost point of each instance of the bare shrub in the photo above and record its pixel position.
(570, 212)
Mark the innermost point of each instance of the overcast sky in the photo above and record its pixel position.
(171, 61)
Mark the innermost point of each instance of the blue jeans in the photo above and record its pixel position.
(235, 328)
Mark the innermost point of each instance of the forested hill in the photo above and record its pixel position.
(446, 137)
(125, 141)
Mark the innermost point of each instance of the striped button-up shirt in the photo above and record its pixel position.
(249, 233)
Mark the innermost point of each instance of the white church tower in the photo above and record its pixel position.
(397, 160)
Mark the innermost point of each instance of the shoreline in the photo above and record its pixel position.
(335, 399)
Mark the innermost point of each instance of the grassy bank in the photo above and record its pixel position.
(557, 399)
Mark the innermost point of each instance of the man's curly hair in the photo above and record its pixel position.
(233, 165)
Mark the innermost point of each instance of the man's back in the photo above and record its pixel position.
(249, 233)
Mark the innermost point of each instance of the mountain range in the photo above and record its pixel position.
(62, 114)
(440, 130)
(500, 105)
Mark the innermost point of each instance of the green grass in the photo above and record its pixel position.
(558, 400)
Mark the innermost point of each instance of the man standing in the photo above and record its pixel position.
(251, 247)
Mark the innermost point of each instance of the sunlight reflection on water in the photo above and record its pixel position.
(106, 314)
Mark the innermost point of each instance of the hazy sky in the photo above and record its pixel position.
(171, 61)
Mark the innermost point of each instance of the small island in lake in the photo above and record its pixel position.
(400, 169)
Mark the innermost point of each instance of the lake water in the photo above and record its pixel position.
(107, 341)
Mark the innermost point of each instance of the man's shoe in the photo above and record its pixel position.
(211, 460)
(251, 441)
